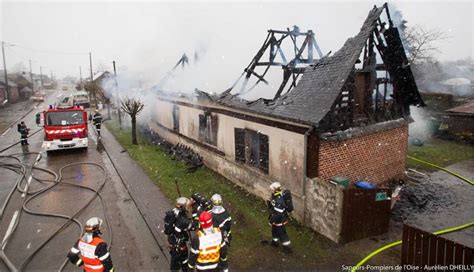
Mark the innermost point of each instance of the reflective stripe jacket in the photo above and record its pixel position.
(278, 213)
(94, 255)
(97, 119)
(207, 250)
(221, 219)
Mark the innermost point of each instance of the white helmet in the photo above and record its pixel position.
(93, 224)
(182, 202)
(275, 186)
(216, 200)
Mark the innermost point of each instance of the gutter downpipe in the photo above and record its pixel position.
(306, 134)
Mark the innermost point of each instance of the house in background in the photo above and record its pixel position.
(12, 96)
(348, 116)
(458, 122)
(24, 84)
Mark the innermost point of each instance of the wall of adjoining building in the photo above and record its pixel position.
(377, 157)
(458, 123)
(286, 148)
(324, 208)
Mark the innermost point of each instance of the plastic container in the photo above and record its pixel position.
(363, 184)
(342, 181)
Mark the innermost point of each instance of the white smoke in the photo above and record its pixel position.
(420, 128)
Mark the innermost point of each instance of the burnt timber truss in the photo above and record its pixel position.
(293, 68)
(382, 89)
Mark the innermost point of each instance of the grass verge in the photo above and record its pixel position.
(439, 152)
(249, 213)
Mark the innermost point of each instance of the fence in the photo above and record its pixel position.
(426, 251)
(364, 213)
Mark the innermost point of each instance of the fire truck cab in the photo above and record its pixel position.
(65, 125)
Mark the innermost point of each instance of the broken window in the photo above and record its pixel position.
(175, 118)
(251, 147)
(208, 128)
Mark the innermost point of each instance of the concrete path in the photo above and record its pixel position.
(145, 193)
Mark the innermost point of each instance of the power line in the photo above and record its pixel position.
(46, 51)
(20, 56)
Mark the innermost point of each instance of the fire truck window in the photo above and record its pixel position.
(64, 118)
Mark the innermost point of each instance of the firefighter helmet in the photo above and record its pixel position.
(275, 186)
(181, 202)
(197, 197)
(216, 200)
(93, 224)
(205, 219)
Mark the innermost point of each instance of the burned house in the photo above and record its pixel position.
(347, 116)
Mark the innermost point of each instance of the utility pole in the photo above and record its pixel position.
(41, 77)
(7, 92)
(51, 71)
(80, 76)
(118, 100)
(92, 78)
(31, 77)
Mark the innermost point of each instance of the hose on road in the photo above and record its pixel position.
(15, 143)
(442, 169)
(21, 169)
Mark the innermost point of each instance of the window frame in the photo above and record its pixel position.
(208, 128)
(252, 148)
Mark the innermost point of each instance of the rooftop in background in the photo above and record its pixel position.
(467, 108)
(10, 83)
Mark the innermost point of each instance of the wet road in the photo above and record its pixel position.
(133, 246)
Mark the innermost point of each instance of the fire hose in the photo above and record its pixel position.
(440, 232)
(20, 168)
(15, 143)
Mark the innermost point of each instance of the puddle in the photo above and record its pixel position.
(439, 201)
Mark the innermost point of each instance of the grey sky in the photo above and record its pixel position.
(149, 37)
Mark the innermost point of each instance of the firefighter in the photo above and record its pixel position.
(198, 204)
(177, 228)
(208, 248)
(91, 251)
(279, 206)
(23, 130)
(221, 217)
(97, 121)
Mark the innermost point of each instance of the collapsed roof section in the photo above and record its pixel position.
(368, 80)
(272, 54)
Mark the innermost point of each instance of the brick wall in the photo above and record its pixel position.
(376, 157)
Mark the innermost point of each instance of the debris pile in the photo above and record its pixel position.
(421, 197)
(179, 151)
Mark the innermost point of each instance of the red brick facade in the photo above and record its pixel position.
(376, 157)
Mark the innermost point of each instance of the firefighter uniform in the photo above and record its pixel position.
(97, 121)
(177, 242)
(221, 217)
(23, 130)
(90, 251)
(208, 249)
(198, 205)
(279, 207)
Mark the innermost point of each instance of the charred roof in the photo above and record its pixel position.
(323, 83)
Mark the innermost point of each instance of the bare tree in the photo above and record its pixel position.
(132, 106)
(93, 89)
(19, 67)
(421, 43)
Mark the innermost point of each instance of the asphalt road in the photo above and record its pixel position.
(133, 246)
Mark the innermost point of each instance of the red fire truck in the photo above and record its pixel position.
(65, 125)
